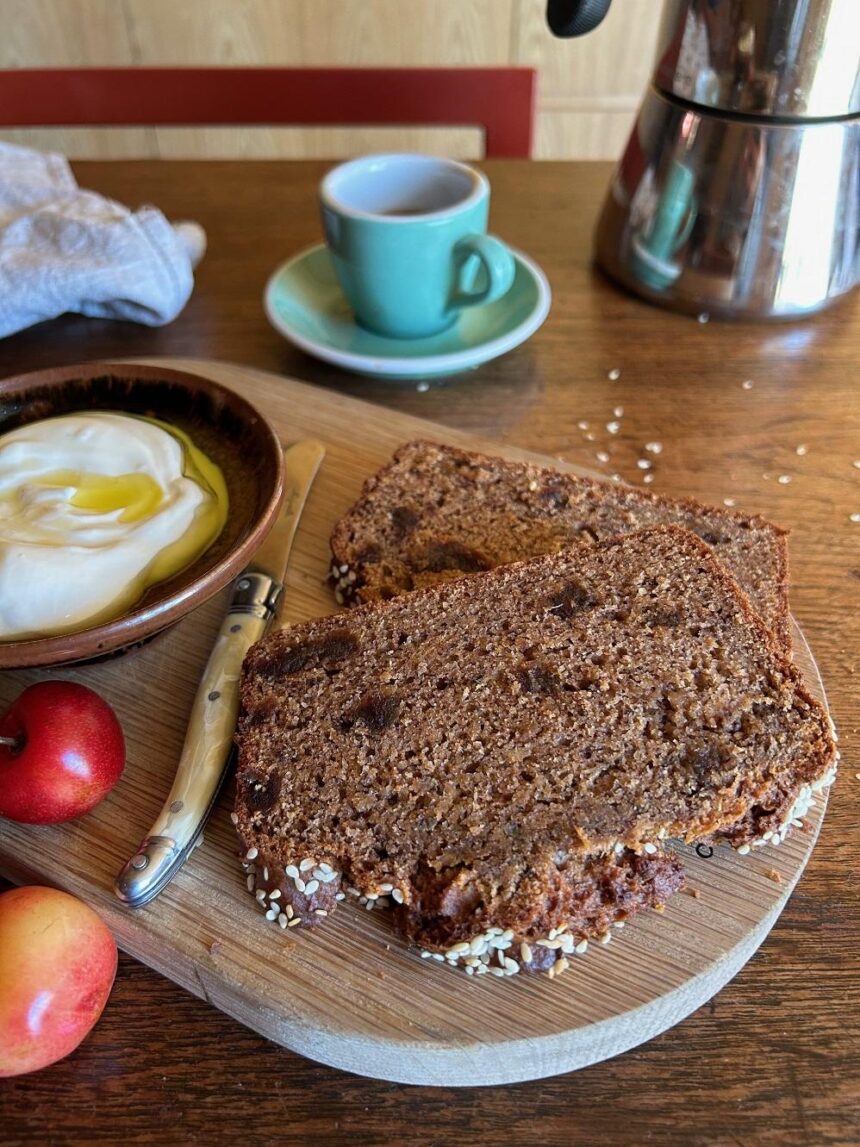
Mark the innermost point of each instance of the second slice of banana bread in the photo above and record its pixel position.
(436, 512)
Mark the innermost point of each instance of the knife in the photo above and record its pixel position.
(207, 752)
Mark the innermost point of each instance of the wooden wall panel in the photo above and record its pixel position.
(614, 60)
(585, 134)
(63, 33)
(588, 89)
(318, 32)
(248, 143)
(86, 143)
(315, 143)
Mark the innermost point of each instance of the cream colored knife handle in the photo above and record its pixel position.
(208, 743)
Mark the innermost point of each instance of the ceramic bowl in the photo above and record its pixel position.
(222, 423)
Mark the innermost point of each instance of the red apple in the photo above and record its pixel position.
(61, 751)
(57, 967)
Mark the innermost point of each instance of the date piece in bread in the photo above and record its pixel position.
(437, 512)
(501, 757)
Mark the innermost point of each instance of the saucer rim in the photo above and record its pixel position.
(425, 365)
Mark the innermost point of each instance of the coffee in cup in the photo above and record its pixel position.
(408, 238)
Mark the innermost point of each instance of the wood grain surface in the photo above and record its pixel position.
(350, 994)
(587, 97)
(772, 1059)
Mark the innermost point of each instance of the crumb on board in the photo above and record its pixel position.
(772, 874)
(694, 892)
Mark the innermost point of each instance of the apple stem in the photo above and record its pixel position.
(11, 742)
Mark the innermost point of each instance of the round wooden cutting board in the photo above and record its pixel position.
(350, 993)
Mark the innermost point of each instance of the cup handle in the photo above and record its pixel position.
(684, 234)
(470, 254)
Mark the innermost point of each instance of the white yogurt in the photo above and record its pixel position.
(94, 507)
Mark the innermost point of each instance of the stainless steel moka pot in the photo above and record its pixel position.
(738, 194)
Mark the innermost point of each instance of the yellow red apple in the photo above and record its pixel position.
(57, 966)
(61, 751)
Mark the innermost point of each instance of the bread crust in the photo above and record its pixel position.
(398, 536)
(500, 758)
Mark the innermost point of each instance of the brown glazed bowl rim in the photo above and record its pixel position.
(144, 619)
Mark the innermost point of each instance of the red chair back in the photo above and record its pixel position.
(500, 100)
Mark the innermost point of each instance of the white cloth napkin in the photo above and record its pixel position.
(64, 249)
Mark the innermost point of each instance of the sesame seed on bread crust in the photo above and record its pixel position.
(436, 512)
(500, 758)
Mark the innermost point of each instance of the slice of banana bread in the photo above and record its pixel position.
(501, 757)
(436, 512)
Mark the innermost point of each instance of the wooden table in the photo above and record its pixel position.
(768, 415)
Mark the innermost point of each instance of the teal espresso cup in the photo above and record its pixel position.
(408, 238)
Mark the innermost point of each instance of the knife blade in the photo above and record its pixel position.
(206, 753)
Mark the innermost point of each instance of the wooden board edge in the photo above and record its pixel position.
(467, 1064)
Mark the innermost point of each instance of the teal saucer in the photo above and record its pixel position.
(304, 302)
